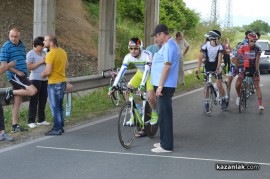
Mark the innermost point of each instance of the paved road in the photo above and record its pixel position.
(201, 142)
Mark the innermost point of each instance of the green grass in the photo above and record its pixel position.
(95, 103)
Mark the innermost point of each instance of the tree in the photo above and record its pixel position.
(258, 26)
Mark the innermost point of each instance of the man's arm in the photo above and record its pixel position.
(47, 71)
(164, 75)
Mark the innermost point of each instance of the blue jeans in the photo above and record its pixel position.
(56, 96)
(165, 115)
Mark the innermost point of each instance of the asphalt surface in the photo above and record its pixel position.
(202, 144)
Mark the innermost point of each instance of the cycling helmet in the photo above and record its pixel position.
(135, 42)
(252, 36)
(213, 35)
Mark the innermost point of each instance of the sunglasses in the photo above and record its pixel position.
(133, 48)
(253, 41)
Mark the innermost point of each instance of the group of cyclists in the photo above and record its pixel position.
(245, 59)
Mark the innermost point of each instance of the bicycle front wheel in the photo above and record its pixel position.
(115, 97)
(208, 99)
(150, 130)
(243, 98)
(126, 130)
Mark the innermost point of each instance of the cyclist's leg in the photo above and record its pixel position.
(219, 85)
(152, 100)
(258, 91)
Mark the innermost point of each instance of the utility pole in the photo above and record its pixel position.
(228, 15)
(214, 12)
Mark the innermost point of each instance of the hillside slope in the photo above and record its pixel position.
(73, 30)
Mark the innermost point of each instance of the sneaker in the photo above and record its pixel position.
(160, 150)
(154, 118)
(9, 95)
(237, 101)
(44, 123)
(32, 125)
(18, 129)
(223, 103)
(261, 108)
(130, 122)
(156, 145)
(53, 132)
(6, 137)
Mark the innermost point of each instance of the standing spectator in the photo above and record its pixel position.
(35, 59)
(164, 78)
(3, 134)
(184, 47)
(14, 49)
(55, 70)
(226, 55)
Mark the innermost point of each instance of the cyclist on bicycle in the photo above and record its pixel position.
(212, 51)
(251, 54)
(142, 59)
(234, 71)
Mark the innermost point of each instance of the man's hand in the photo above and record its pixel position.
(12, 64)
(141, 88)
(111, 90)
(196, 74)
(20, 73)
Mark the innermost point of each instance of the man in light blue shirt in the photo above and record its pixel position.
(164, 77)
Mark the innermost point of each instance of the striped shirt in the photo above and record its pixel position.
(10, 52)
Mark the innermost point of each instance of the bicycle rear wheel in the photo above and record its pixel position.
(150, 130)
(242, 102)
(208, 99)
(126, 132)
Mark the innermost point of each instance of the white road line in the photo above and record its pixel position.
(149, 155)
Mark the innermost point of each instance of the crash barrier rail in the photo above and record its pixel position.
(83, 83)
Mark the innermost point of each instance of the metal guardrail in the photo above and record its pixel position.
(94, 81)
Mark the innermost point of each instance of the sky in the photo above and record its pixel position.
(244, 12)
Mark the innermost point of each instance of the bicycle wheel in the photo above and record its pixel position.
(242, 102)
(208, 99)
(150, 130)
(123, 88)
(126, 132)
(115, 97)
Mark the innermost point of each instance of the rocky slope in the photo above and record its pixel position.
(73, 30)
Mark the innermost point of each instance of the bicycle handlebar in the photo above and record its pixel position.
(111, 70)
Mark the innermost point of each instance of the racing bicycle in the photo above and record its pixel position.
(138, 119)
(121, 87)
(247, 88)
(211, 94)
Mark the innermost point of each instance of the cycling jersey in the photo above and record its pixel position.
(142, 63)
(249, 55)
(211, 55)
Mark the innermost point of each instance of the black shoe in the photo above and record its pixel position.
(53, 132)
(9, 95)
(62, 130)
(18, 129)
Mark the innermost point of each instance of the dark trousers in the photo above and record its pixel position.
(165, 115)
(38, 101)
(2, 119)
(227, 61)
